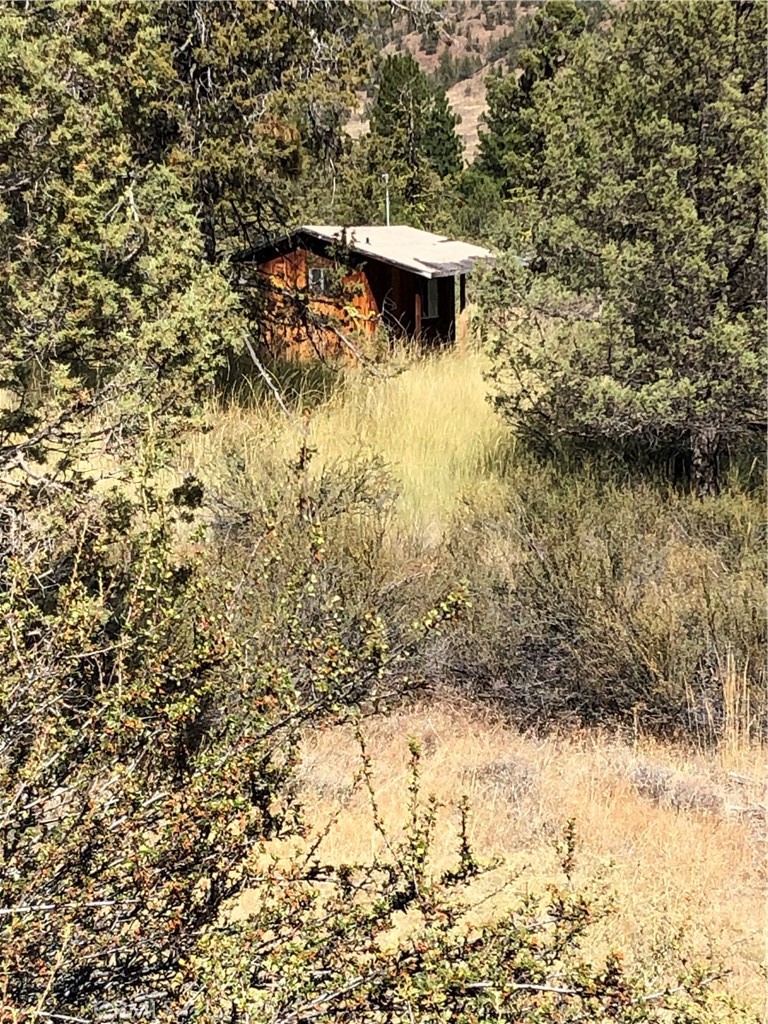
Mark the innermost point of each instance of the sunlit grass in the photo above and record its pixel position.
(431, 424)
(672, 834)
(677, 832)
(642, 561)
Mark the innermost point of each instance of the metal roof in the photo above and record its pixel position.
(419, 252)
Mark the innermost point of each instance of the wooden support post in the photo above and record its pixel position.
(461, 319)
(417, 317)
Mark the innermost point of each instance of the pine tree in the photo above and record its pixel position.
(445, 75)
(511, 144)
(430, 38)
(401, 108)
(415, 119)
(442, 145)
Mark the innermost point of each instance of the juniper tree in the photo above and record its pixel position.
(133, 758)
(139, 144)
(106, 297)
(643, 277)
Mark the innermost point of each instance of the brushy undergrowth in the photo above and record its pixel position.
(597, 594)
(677, 833)
(597, 598)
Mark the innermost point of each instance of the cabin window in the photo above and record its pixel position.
(430, 301)
(319, 281)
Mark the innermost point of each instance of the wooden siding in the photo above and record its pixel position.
(303, 326)
(320, 329)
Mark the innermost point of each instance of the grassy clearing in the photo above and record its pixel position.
(594, 593)
(430, 423)
(677, 835)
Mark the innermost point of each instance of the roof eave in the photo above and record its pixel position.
(429, 272)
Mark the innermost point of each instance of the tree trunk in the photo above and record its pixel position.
(705, 448)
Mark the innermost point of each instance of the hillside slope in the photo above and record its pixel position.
(458, 44)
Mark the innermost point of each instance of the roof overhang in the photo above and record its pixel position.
(418, 252)
(410, 249)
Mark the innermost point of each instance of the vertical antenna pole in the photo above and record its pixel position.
(385, 179)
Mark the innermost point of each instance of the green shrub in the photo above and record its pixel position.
(153, 686)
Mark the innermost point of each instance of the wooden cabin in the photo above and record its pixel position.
(325, 290)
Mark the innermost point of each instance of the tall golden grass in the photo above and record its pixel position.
(661, 572)
(737, 705)
(427, 418)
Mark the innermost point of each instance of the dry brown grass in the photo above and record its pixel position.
(669, 591)
(679, 836)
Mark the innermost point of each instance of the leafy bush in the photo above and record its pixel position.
(305, 554)
(155, 677)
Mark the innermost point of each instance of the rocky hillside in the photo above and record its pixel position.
(471, 33)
